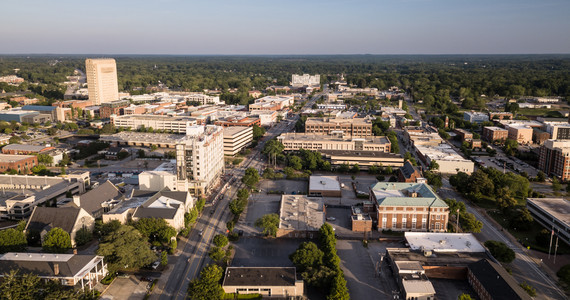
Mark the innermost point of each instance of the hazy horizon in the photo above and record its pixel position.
(258, 27)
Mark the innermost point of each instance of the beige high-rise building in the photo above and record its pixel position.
(102, 80)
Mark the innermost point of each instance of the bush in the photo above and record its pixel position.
(500, 251)
(164, 259)
(220, 240)
(528, 289)
(564, 274)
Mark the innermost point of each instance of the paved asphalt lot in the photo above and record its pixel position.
(126, 289)
(261, 252)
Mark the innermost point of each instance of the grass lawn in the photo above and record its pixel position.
(535, 111)
(242, 296)
(528, 238)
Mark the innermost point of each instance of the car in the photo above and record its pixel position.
(144, 278)
(200, 233)
(155, 265)
(331, 218)
(123, 275)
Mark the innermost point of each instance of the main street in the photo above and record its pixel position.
(193, 252)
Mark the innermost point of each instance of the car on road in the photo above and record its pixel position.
(155, 265)
(331, 218)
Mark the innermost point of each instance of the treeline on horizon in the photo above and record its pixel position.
(435, 79)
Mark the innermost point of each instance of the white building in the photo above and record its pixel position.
(200, 157)
(305, 80)
(204, 99)
(176, 124)
(102, 80)
(449, 161)
(272, 103)
(475, 117)
(164, 176)
(236, 138)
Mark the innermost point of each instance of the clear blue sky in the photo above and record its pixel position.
(285, 27)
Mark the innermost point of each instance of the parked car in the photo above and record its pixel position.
(331, 218)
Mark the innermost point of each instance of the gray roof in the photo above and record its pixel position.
(154, 212)
(408, 169)
(496, 281)
(50, 217)
(21, 147)
(43, 264)
(92, 200)
(260, 276)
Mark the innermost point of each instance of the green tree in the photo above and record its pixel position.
(251, 177)
(295, 162)
(207, 286)
(56, 241)
(221, 240)
(163, 258)
(45, 159)
(564, 274)
(510, 147)
(339, 291)
(556, 186)
(217, 254)
(200, 204)
(258, 132)
(464, 297)
(500, 251)
(52, 131)
(540, 176)
(83, 236)
(306, 256)
(269, 223)
(433, 165)
(355, 169)
(155, 229)
(125, 248)
(27, 286)
(12, 240)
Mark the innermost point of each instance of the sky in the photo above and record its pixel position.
(214, 27)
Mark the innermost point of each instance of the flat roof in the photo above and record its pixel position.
(133, 136)
(298, 212)
(260, 276)
(231, 130)
(35, 148)
(320, 137)
(324, 183)
(494, 128)
(7, 158)
(418, 286)
(443, 242)
(556, 207)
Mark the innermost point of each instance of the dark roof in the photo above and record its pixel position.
(143, 194)
(270, 276)
(67, 268)
(62, 217)
(114, 150)
(92, 200)
(155, 212)
(496, 281)
(408, 169)
(38, 107)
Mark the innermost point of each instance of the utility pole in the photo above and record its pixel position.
(457, 226)
(556, 247)
(551, 237)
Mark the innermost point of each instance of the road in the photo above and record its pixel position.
(525, 268)
(194, 251)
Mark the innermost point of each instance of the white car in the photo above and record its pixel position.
(331, 218)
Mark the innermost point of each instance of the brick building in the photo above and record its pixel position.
(491, 281)
(464, 134)
(492, 133)
(21, 163)
(408, 207)
(500, 115)
(409, 173)
(554, 158)
(113, 108)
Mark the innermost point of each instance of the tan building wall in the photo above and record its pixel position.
(102, 80)
(269, 291)
(521, 135)
(353, 127)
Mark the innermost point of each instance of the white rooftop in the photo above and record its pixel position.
(418, 287)
(36, 256)
(443, 242)
(324, 183)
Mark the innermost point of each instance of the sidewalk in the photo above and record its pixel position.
(172, 260)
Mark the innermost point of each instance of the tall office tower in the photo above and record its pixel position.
(102, 80)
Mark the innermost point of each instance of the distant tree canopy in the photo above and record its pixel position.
(434, 79)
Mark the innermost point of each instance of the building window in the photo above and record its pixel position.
(404, 221)
(394, 222)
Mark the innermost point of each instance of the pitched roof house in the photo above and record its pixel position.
(70, 219)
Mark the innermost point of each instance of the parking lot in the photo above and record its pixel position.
(258, 252)
(361, 265)
(126, 288)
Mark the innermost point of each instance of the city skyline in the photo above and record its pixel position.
(255, 27)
